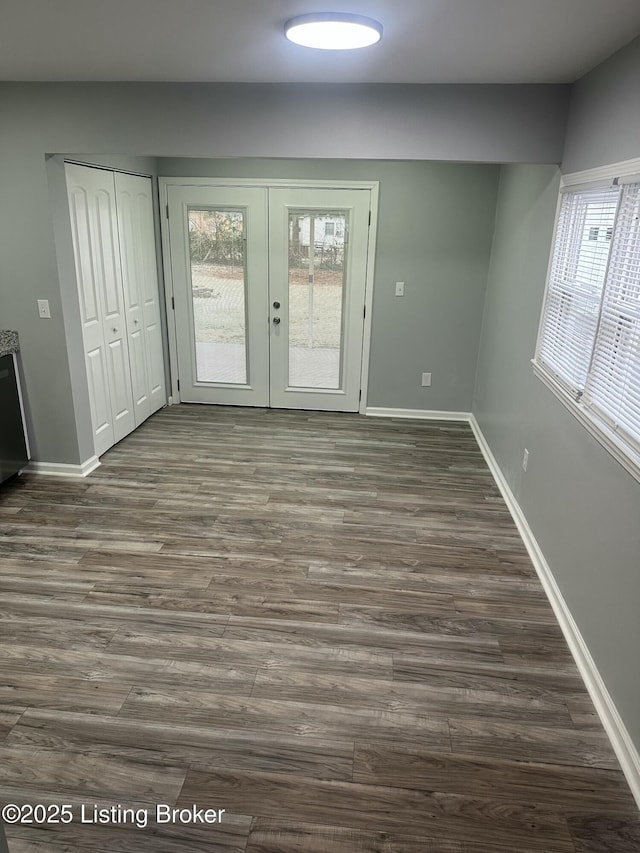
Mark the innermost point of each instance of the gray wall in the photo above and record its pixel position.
(505, 382)
(604, 121)
(480, 123)
(70, 310)
(434, 233)
(582, 506)
(491, 124)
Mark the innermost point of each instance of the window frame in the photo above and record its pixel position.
(622, 450)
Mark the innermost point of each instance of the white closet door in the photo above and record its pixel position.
(140, 282)
(92, 202)
(91, 315)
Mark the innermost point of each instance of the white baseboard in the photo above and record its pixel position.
(61, 469)
(623, 746)
(420, 414)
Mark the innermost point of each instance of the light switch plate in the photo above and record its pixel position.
(399, 288)
(43, 309)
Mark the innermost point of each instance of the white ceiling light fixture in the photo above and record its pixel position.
(333, 31)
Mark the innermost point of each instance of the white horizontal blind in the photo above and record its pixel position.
(613, 388)
(576, 280)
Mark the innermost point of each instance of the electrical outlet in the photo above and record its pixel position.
(399, 288)
(43, 309)
(426, 380)
(525, 459)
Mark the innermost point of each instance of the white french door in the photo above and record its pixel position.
(219, 265)
(269, 293)
(318, 241)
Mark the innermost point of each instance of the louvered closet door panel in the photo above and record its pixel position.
(140, 281)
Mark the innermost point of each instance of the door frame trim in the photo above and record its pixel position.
(265, 183)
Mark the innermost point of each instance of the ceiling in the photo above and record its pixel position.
(425, 41)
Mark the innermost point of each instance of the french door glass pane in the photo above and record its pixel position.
(218, 294)
(317, 264)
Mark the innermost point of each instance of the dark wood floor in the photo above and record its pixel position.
(326, 625)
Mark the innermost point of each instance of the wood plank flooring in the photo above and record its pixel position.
(324, 624)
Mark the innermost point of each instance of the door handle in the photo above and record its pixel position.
(276, 304)
(276, 321)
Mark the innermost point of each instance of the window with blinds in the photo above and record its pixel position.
(613, 385)
(589, 339)
(576, 282)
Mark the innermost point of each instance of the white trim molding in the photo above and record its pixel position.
(61, 469)
(623, 746)
(266, 182)
(368, 297)
(601, 174)
(418, 414)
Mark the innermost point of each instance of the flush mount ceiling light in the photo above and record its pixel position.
(333, 31)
